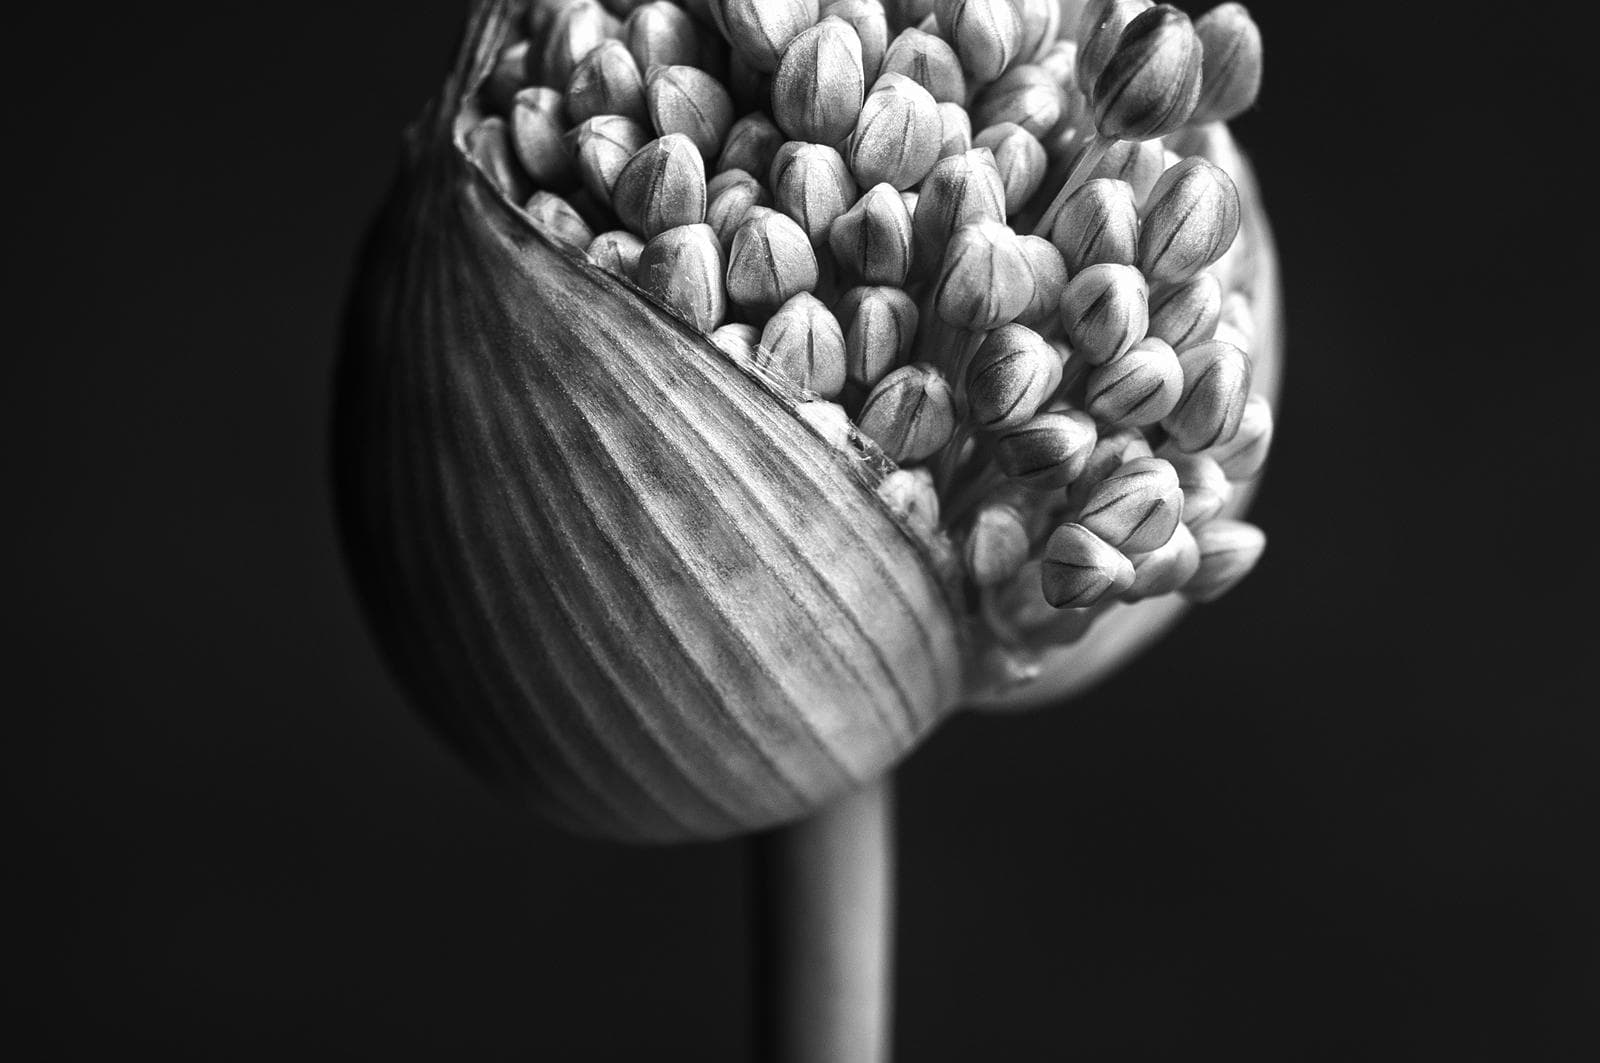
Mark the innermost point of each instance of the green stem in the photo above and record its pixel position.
(824, 903)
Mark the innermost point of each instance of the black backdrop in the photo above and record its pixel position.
(1347, 814)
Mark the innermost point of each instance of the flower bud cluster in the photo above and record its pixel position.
(955, 232)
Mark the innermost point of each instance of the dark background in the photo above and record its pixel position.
(1347, 813)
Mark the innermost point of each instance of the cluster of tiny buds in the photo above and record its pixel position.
(962, 230)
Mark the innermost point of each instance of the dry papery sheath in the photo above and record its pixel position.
(640, 582)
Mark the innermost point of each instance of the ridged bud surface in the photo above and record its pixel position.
(1048, 450)
(769, 261)
(1019, 159)
(662, 187)
(1080, 568)
(879, 324)
(1026, 96)
(898, 134)
(984, 280)
(1216, 386)
(873, 238)
(910, 413)
(681, 268)
(930, 62)
(812, 185)
(1104, 312)
(987, 34)
(819, 85)
(1098, 223)
(1151, 83)
(1192, 220)
(1013, 373)
(1230, 74)
(1136, 508)
(607, 81)
(804, 344)
(1187, 314)
(759, 30)
(1139, 388)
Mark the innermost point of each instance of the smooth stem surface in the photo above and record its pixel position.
(824, 902)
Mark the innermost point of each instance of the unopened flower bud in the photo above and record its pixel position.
(1099, 30)
(1019, 158)
(661, 34)
(1079, 568)
(508, 76)
(1243, 456)
(770, 260)
(605, 144)
(737, 341)
(910, 413)
(729, 197)
(1027, 96)
(871, 24)
(1166, 568)
(759, 30)
(804, 344)
(1049, 281)
(751, 144)
(1186, 314)
(880, 324)
(536, 132)
(1229, 549)
(928, 61)
(1041, 25)
(817, 91)
(996, 546)
(897, 135)
(1103, 312)
(617, 252)
(1206, 490)
(488, 144)
(1137, 507)
(960, 190)
(1231, 64)
(957, 130)
(1192, 219)
(910, 495)
(987, 34)
(576, 30)
(1216, 386)
(687, 100)
(1138, 389)
(662, 187)
(682, 269)
(607, 81)
(812, 185)
(984, 280)
(1098, 223)
(1049, 450)
(1151, 84)
(1013, 373)
(873, 238)
(557, 219)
